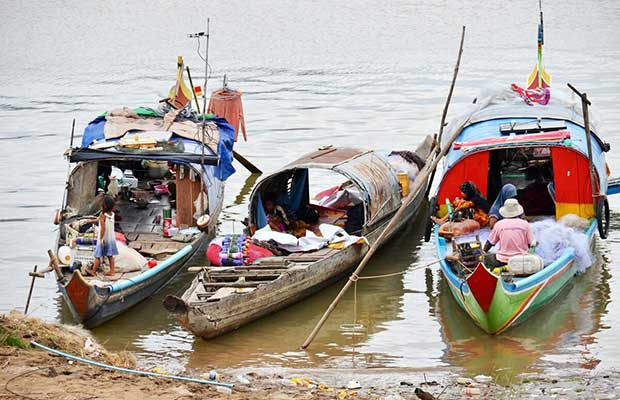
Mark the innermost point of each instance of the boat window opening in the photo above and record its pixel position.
(308, 198)
(530, 169)
(146, 193)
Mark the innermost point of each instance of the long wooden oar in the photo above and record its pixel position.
(418, 184)
(246, 163)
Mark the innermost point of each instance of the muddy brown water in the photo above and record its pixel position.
(359, 73)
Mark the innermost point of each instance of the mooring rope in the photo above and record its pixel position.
(354, 278)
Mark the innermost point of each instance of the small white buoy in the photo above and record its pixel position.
(203, 221)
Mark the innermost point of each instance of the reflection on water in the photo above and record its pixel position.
(568, 323)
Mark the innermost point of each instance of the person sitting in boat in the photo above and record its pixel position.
(277, 218)
(512, 235)
(471, 199)
(535, 196)
(508, 191)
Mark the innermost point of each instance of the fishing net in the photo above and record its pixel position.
(554, 238)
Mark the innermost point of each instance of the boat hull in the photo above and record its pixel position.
(495, 305)
(93, 305)
(211, 319)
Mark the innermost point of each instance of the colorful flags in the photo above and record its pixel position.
(540, 95)
(539, 78)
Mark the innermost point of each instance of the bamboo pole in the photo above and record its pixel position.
(34, 277)
(445, 108)
(189, 76)
(418, 184)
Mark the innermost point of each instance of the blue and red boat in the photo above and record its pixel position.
(503, 136)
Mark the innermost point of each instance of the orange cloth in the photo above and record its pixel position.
(227, 104)
(479, 215)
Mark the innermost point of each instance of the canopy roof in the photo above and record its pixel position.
(368, 170)
(507, 104)
(103, 135)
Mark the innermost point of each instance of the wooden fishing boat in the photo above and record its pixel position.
(221, 299)
(496, 142)
(167, 172)
(503, 136)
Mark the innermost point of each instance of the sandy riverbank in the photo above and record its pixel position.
(30, 373)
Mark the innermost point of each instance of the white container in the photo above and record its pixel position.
(525, 264)
(65, 257)
(129, 179)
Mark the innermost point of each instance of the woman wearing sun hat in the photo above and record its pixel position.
(512, 235)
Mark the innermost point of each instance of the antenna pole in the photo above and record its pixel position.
(204, 122)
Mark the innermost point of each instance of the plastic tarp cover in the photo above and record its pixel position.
(292, 199)
(375, 176)
(95, 131)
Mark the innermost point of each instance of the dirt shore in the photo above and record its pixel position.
(29, 373)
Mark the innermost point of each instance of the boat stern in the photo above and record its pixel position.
(80, 296)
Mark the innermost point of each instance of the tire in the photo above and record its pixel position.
(602, 218)
(429, 222)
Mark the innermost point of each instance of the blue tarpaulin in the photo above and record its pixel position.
(95, 131)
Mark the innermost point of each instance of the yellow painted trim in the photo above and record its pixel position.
(582, 210)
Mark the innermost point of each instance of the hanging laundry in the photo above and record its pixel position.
(226, 103)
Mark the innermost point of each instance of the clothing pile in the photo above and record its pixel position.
(331, 236)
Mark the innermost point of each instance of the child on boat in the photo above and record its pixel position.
(277, 218)
(106, 239)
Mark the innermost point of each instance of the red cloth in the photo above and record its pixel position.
(227, 104)
(213, 254)
(530, 96)
(255, 252)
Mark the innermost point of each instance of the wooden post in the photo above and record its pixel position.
(55, 266)
(586, 124)
(34, 276)
(445, 108)
(66, 191)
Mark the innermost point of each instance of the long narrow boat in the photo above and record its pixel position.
(505, 135)
(497, 142)
(221, 299)
(156, 163)
(545, 147)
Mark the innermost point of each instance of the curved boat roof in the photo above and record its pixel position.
(505, 103)
(369, 170)
(492, 109)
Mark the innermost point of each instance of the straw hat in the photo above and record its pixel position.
(511, 209)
